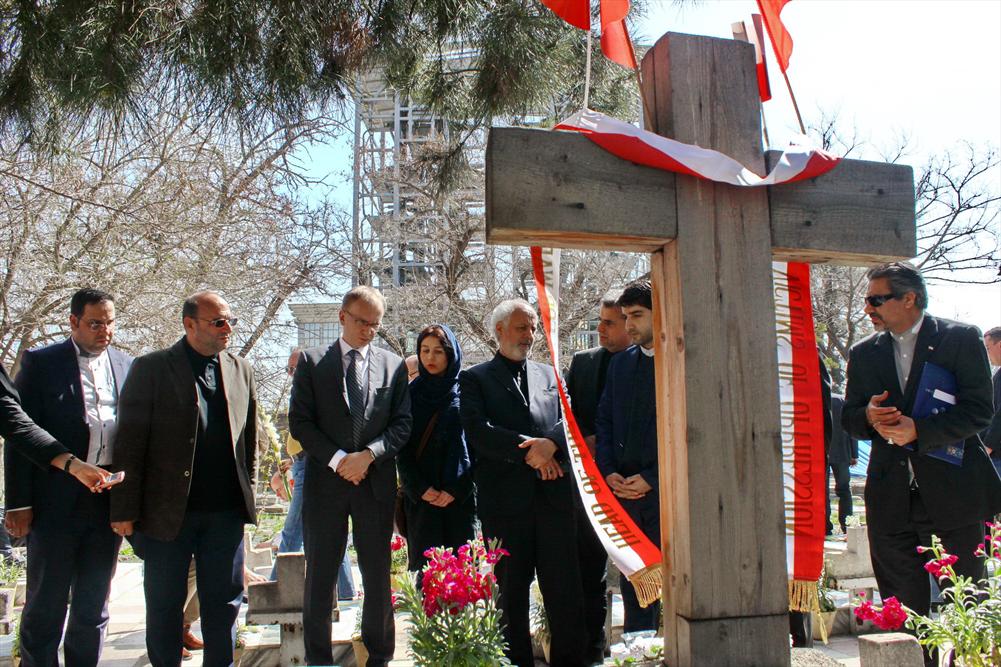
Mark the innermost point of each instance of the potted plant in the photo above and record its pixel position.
(541, 637)
(454, 616)
(967, 631)
(823, 620)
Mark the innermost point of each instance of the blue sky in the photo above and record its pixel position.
(928, 70)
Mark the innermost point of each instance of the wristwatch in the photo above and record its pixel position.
(70, 460)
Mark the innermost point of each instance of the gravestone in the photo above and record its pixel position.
(280, 603)
(712, 245)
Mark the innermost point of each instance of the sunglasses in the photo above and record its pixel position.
(877, 300)
(220, 322)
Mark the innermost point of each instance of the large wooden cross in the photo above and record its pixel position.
(722, 521)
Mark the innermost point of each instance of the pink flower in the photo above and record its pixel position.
(865, 611)
(398, 543)
(941, 567)
(892, 616)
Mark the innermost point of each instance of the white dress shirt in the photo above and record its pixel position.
(361, 368)
(100, 402)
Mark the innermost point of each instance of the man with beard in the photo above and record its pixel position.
(510, 410)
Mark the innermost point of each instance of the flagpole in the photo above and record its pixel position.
(587, 71)
(764, 126)
(795, 106)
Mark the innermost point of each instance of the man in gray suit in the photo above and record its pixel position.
(585, 381)
(350, 410)
(187, 441)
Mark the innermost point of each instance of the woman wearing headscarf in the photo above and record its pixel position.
(435, 468)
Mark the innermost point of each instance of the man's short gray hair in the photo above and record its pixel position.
(502, 312)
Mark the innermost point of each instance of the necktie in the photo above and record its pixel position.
(356, 397)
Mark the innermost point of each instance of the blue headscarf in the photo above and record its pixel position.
(432, 393)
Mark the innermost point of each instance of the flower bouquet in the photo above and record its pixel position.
(967, 631)
(454, 618)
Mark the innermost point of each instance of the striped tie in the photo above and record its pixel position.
(356, 397)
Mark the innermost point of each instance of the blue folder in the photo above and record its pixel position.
(937, 392)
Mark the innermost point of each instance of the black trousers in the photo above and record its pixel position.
(593, 579)
(646, 513)
(843, 490)
(898, 566)
(542, 542)
(79, 558)
(215, 541)
(328, 501)
(429, 526)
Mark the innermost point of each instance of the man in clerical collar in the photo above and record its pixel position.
(71, 389)
(626, 443)
(187, 442)
(910, 493)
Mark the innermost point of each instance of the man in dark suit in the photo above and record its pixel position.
(910, 495)
(992, 435)
(71, 390)
(842, 454)
(585, 381)
(350, 411)
(510, 409)
(626, 443)
(187, 441)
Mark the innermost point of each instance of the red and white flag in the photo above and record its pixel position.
(798, 162)
(802, 432)
(575, 12)
(615, 42)
(781, 39)
(629, 548)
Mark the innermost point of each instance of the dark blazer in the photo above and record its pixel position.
(157, 427)
(52, 395)
(953, 495)
(612, 424)
(19, 432)
(582, 385)
(843, 447)
(496, 420)
(320, 419)
(992, 435)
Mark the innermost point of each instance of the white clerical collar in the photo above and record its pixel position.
(647, 352)
(913, 331)
(346, 347)
(87, 356)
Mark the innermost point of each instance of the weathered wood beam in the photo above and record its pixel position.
(544, 187)
(558, 188)
(860, 213)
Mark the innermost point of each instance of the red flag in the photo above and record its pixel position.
(758, 39)
(575, 12)
(615, 42)
(781, 39)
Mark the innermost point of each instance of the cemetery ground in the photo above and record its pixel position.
(125, 643)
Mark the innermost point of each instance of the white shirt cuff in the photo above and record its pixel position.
(18, 509)
(340, 454)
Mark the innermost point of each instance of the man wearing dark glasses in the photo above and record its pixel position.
(911, 494)
(187, 441)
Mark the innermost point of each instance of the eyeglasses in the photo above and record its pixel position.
(364, 324)
(97, 325)
(877, 300)
(290, 370)
(220, 322)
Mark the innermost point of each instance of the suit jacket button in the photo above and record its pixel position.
(187, 473)
(191, 441)
(903, 463)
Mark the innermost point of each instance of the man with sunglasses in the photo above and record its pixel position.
(71, 390)
(187, 441)
(350, 410)
(909, 495)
